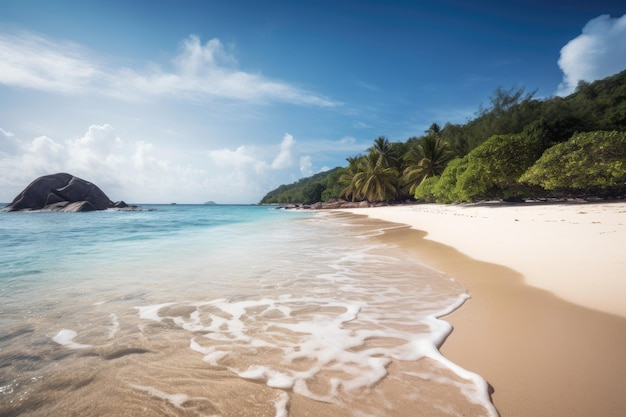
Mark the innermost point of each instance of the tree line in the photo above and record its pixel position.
(517, 147)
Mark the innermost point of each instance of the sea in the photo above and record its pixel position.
(223, 310)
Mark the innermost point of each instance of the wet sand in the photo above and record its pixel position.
(543, 355)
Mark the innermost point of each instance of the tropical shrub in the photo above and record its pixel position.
(494, 167)
(593, 162)
(445, 190)
(424, 191)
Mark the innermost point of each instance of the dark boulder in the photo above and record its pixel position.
(122, 205)
(62, 192)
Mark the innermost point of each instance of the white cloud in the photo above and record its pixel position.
(30, 61)
(143, 160)
(237, 172)
(244, 159)
(248, 168)
(306, 166)
(228, 158)
(347, 146)
(44, 145)
(599, 51)
(195, 58)
(100, 149)
(8, 142)
(200, 71)
(284, 159)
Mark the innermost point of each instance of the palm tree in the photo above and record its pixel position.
(384, 152)
(374, 181)
(434, 129)
(347, 177)
(428, 158)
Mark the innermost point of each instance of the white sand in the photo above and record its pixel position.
(576, 250)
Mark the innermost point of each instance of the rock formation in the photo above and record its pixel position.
(332, 204)
(62, 192)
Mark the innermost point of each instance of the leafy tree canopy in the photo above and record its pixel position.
(589, 162)
(494, 155)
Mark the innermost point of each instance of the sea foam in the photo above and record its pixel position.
(66, 337)
(291, 342)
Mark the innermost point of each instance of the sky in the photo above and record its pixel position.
(193, 101)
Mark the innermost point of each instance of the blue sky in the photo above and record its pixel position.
(189, 101)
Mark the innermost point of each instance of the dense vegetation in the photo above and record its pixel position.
(593, 162)
(319, 187)
(517, 147)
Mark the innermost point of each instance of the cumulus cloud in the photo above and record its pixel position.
(250, 163)
(241, 156)
(238, 172)
(242, 163)
(100, 149)
(599, 51)
(199, 71)
(284, 159)
(306, 166)
(248, 168)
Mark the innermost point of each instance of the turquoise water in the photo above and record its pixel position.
(221, 310)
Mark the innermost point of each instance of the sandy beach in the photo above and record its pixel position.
(546, 322)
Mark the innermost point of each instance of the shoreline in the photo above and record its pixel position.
(576, 251)
(542, 354)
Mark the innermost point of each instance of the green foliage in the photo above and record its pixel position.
(373, 177)
(494, 167)
(346, 179)
(509, 112)
(312, 192)
(425, 190)
(446, 190)
(600, 105)
(588, 162)
(457, 138)
(493, 150)
(427, 157)
(333, 185)
(386, 154)
(306, 190)
(375, 181)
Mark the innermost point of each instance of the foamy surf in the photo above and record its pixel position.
(66, 337)
(292, 343)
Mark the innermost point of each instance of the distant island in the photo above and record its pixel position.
(210, 203)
